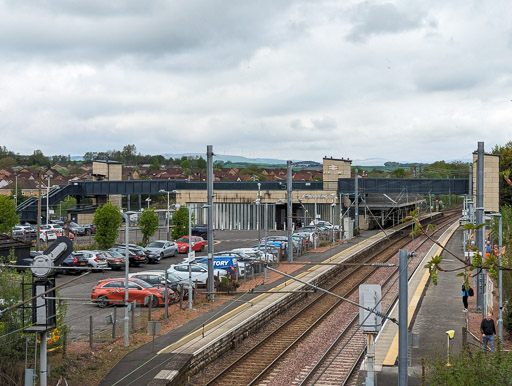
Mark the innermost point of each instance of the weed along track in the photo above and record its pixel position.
(320, 341)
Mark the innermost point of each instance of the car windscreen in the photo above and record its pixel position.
(182, 240)
(142, 283)
(155, 244)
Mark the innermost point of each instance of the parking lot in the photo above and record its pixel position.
(79, 311)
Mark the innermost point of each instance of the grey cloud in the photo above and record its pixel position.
(168, 32)
(375, 19)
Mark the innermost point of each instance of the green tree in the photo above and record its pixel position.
(12, 339)
(148, 224)
(505, 153)
(180, 223)
(399, 173)
(155, 164)
(8, 216)
(7, 162)
(185, 164)
(201, 163)
(39, 159)
(107, 219)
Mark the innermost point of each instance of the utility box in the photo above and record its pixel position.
(348, 228)
(370, 297)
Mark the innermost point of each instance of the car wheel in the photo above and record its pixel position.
(161, 255)
(174, 253)
(102, 301)
(202, 248)
(154, 302)
(136, 264)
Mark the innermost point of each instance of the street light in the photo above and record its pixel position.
(500, 275)
(148, 200)
(168, 208)
(126, 217)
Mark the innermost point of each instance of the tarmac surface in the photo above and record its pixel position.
(440, 309)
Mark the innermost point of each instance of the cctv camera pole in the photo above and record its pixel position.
(189, 259)
(289, 209)
(209, 192)
(480, 235)
(356, 188)
(126, 269)
(402, 316)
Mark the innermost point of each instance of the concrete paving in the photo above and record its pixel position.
(438, 310)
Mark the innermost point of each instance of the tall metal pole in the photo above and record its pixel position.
(168, 214)
(16, 192)
(265, 218)
(500, 276)
(289, 209)
(43, 368)
(189, 261)
(480, 235)
(209, 185)
(126, 269)
(402, 316)
(38, 230)
(316, 230)
(48, 200)
(356, 189)
(258, 204)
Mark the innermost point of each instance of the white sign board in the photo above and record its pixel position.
(191, 255)
(369, 297)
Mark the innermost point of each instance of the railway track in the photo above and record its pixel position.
(268, 361)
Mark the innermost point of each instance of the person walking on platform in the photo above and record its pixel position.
(465, 295)
(488, 331)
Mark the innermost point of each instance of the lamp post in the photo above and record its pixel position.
(168, 208)
(126, 217)
(189, 258)
(258, 202)
(148, 200)
(47, 199)
(500, 275)
(16, 192)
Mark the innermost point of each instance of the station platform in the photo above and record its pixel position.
(175, 349)
(432, 310)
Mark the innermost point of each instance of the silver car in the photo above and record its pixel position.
(163, 248)
(95, 259)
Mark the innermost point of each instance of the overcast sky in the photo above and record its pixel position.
(289, 79)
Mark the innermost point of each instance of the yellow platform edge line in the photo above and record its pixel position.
(392, 354)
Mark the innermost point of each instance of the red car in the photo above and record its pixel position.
(109, 290)
(198, 244)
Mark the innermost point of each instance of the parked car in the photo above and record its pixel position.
(47, 235)
(254, 253)
(163, 248)
(112, 291)
(24, 233)
(157, 278)
(150, 256)
(76, 229)
(74, 260)
(198, 244)
(95, 259)
(135, 258)
(115, 260)
(90, 229)
(199, 272)
(200, 230)
(54, 227)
